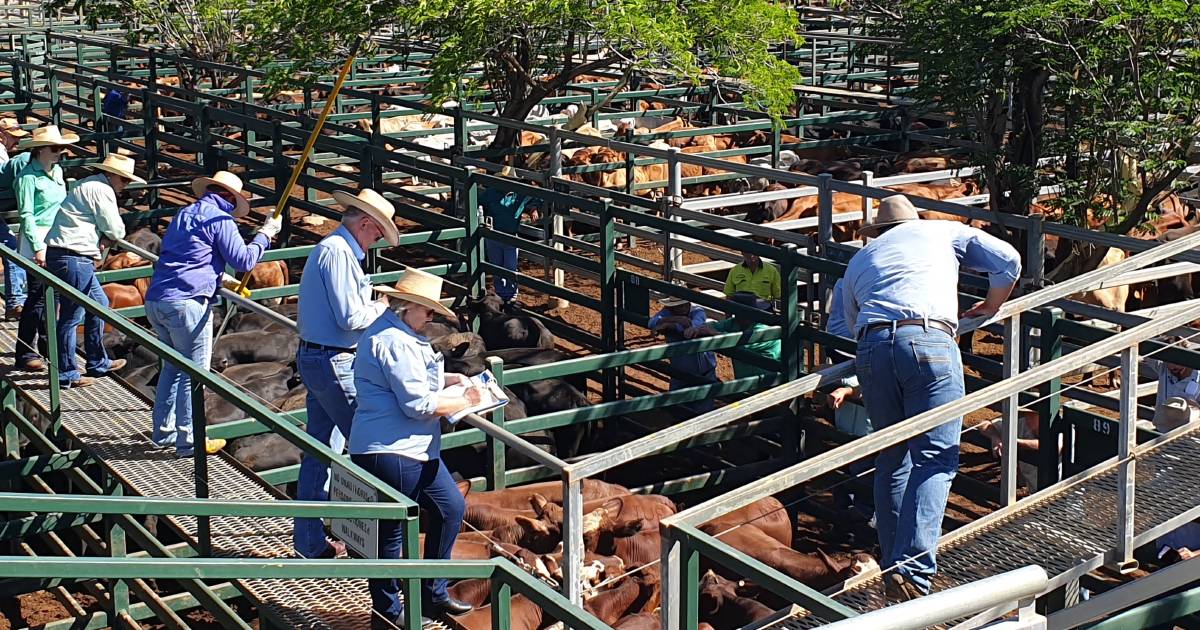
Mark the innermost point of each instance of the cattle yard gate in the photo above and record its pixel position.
(231, 531)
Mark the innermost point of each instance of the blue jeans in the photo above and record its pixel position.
(904, 373)
(185, 327)
(430, 485)
(80, 272)
(505, 256)
(14, 276)
(329, 378)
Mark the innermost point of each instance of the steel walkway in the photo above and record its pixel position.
(1068, 530)
(114, 425)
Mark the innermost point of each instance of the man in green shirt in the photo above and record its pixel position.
(765, 349)
(754, 276)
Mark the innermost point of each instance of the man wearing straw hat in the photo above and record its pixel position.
(336, 305)
(200, 241)
(88, 216)
(900, 297)
(14, 276)
(672, 321)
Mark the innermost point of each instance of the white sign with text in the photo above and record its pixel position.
(359, 534)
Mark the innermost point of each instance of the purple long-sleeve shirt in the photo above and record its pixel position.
(200, 241)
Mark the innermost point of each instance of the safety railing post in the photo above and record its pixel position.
(495, 472)
(200, 460)
(1035, 250)
(150, 138)
(501, 600)
(554, 223)
(411, 587)
(610, 318)
(55, 101)
(672, 258)
(680, 583)
(51, 336)
(825, 210)
(1011, 406)
(119, 589)
(100, 124)
(868, 203)
(1127, 472)
(248, 132)
(1049, 402)
(468, 207)
(630, 164)
(572, 532)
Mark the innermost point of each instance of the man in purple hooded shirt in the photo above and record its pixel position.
(202, 239)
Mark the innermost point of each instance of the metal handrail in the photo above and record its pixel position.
(997, 593)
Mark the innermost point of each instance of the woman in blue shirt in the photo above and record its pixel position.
(396, 433)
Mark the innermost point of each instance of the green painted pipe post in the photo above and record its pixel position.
(78, 62)
(119, 590)
(776, 141)
(200, 457)
(501, 602)
(1050, 401)
(468, 205)
(55, 111)
(150, 138)
(497, 476)
(608, 316)
(411, 587)
(99, 124)
(793, 351)
(248, 133)
(52, 361)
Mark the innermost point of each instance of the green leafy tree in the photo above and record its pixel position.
(518, 52)
(205, 29)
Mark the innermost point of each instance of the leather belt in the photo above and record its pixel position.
(929, 323)
(317, 346)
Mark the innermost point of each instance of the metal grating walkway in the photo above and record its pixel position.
(114, 424)
(1067, 532)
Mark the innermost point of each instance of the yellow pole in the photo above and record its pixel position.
(312, 139)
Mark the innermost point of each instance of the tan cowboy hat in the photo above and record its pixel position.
(376, 207)
(229, 182)
(49, 136)
(418, 287)
(1174, 413)
(670, 301)
(892, 210)
(119, 165)
(12, 127)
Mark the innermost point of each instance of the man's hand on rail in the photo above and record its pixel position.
(990, 305)
(39, 257)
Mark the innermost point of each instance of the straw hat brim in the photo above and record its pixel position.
(872, 230)
(66, 139)
(15, 132)
(241, 207)
(416, 299)
(130, 176)
(390, 233)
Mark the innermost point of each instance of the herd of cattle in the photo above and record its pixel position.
(622, 546)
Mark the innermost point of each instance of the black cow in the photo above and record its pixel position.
(146, 239)
(264, 452)
(254, 347)
(501, 328)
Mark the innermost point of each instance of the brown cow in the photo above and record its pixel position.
(649, 508)
(524, 615)
(268, 275)
(640, 621)
(519, 498)
(474, 592)
(630, 595)
(122, 295)
(768, 514)
(721, 606)
(819, 572)
(1113, 298)
(123, 260)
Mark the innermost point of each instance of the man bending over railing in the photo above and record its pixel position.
(900, 293)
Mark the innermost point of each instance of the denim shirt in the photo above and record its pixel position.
(335, 294)
(200, 241)
(911, 272)
(398, 377)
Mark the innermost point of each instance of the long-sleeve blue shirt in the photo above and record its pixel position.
(911, 272)
(398, 377)
(335, 294)
(202, 239)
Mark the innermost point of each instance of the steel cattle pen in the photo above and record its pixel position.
(67, 86)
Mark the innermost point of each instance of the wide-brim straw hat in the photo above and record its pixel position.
(119, 165)
(1174, 413)
(376, 207)
(892, 210)
(48, 136)
(12, 128)
(418, 287)
(229, 182)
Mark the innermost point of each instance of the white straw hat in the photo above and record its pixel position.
(49, 136)
(1174, 413)
(12, 128)
(892, 210)
(376, 207)
(229, 182)
(119, 165)
(418, 287)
